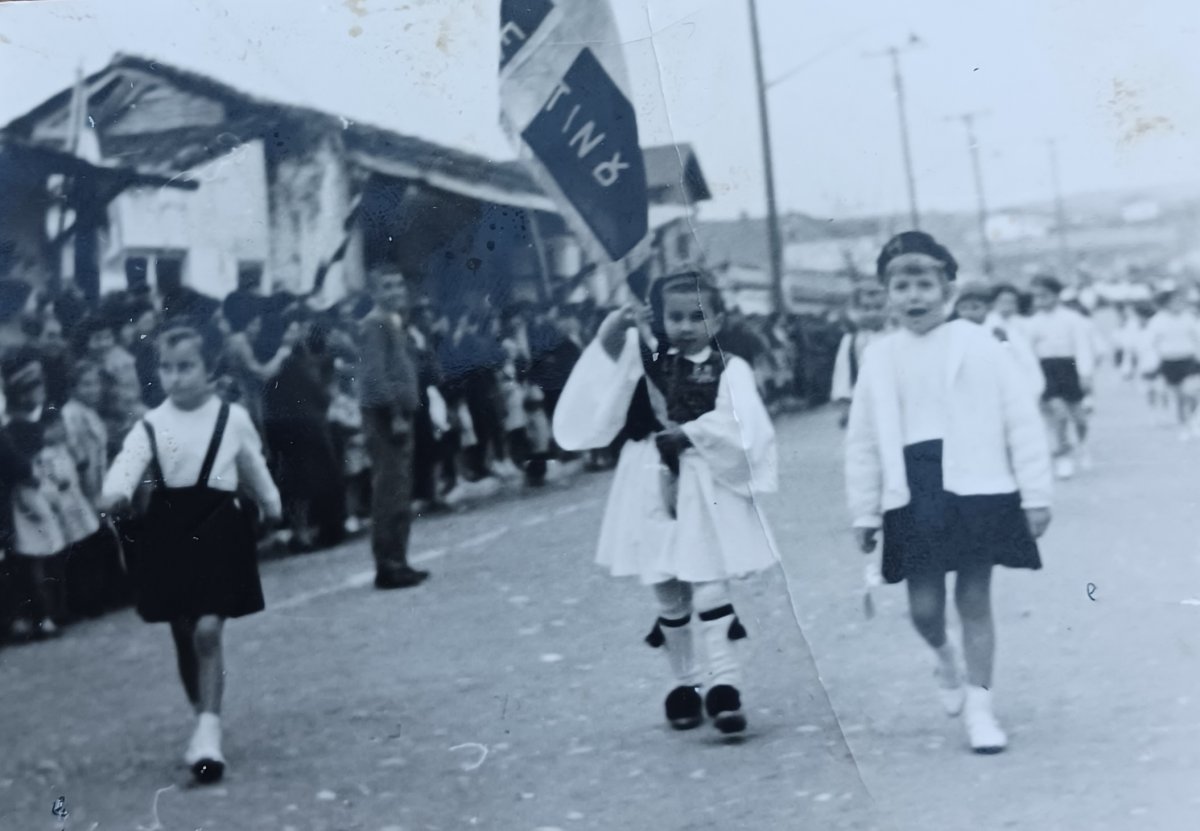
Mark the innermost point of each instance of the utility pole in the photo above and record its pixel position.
(774, 242)
(893, 53)
(1060, 215)
(968, 121)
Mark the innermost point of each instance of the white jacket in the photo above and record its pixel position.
(995, 441)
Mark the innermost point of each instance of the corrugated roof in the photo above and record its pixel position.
(251, 117)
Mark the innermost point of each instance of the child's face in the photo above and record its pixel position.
(1006, 304)
(52, 341)
(872, 305)
(391, 293)
(183, 374)
(686, 327)
(1044, 300)
(101, 341)
(88, 389)
(917, 292)
(973, 309)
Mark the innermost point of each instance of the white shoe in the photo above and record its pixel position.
(951, 691)
(983, 731)
(1064, 467)
(455, 494)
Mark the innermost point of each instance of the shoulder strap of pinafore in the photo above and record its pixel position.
(210, 457)
(156, 476)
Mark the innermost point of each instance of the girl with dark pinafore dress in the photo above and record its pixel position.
(946, 453)
(194, 561)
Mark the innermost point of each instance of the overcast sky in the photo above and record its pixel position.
(1116, 81)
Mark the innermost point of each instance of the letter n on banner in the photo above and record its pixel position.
(586, 139)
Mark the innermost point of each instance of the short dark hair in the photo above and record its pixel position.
(975, 291)
(1047, 282)
(1006, 288)
(177, 331)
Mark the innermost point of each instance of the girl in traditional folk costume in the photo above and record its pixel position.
(195, 562)
(947, 455)
(692, 419)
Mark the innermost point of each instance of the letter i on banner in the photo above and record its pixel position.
(564, 96)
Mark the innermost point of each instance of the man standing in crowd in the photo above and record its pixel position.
(390, 397)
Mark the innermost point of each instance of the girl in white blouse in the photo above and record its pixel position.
(946, 454)
(194, 563)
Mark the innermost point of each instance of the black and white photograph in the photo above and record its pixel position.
(536, 415)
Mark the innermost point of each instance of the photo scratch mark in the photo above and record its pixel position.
(483, 754)
(157, 826)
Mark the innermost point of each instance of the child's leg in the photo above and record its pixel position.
(721, 629)
(927, 607)
(972, 594)
(204, 750)
(210, 663)
(673, 630)
(972, 597)
(184, 634)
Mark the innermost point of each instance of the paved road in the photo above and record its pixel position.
(512, 691)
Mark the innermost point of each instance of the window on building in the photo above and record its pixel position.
(250, 276)
(137, 272)
(168, 272)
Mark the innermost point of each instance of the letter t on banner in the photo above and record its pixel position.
(564, 96)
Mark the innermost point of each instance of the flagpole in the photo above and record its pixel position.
(774, 242)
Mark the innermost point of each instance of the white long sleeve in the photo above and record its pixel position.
(736, 438)
(182, 438)
(595, 401)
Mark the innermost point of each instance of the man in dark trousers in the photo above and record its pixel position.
(389, 393)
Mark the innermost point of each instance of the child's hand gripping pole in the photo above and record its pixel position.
(670, 443)
(866, 538)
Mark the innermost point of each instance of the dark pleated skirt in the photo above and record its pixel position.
(939, 532)
(193, 554)
(1062, 380)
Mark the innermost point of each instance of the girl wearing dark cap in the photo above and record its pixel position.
(946, 454)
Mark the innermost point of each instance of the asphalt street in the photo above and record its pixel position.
(513, 690)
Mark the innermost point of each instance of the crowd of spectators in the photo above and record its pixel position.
(77, 376)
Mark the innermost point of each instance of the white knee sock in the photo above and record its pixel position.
(674, 630)
(721, 631)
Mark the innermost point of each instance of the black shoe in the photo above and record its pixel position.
(724, 706)
(401, 580)
(685, 710)
(208, 771)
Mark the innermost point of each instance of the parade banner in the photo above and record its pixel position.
(564, 100)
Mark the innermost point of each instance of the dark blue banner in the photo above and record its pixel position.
(586, 137)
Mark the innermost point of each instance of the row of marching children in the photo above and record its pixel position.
(947, 458)
(1159, 346)
(1054, 343)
